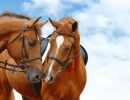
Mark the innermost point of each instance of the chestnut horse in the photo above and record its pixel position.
(64, 75)
(20, 35)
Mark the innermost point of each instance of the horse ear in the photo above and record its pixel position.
(32, 22)
(42, 23)
(74, 26)
(54, 23)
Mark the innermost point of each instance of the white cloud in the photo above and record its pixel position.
(108, 68)
(75, 1)
(46, 7)
(47, 30)
(107, 14)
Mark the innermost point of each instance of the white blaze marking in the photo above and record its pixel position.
(45, 53)
(59, 41)
(38, 38)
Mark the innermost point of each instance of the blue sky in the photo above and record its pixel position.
(11, 5)
(17, 7)
(105, 33)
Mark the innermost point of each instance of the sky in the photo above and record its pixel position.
(105, 34)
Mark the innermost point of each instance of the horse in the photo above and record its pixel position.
(64, 76)
(64, 69)
(20, 34)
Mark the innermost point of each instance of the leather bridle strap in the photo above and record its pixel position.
(18, 34)
(62, 63)
(13, 39)
(23, 51)
(65, 63)
(70, 35)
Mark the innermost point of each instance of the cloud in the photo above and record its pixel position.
(47, 30)
(108, 75)
(75, 1)
(45, 7)
(105, 15)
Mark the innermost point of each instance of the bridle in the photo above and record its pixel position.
(23, 52)
(65, 63)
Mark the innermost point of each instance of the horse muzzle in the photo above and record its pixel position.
(49, 78)
(33, 74)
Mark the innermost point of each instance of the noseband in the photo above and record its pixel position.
(23, 52)
(65, 63)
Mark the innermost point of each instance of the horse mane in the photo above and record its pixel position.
(11, 14)
(20, 16)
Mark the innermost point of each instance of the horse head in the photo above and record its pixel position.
(22, 38)
(64, 47)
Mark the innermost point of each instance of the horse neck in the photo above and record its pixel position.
(75, 64)
(8, 28)
(77, 42)
(69, 71)
(77, 58)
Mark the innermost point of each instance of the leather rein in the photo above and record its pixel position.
(23, 52)
(65, 63)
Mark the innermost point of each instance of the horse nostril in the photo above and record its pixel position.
(51, 79)
(44, 75)
(37, 76)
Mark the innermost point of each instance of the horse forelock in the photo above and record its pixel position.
(67, 22)
(67, 19)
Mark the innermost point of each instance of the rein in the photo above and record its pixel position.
(65, 63)
(23, 51)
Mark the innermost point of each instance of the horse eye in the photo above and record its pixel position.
(67, 49)
(32, 42)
